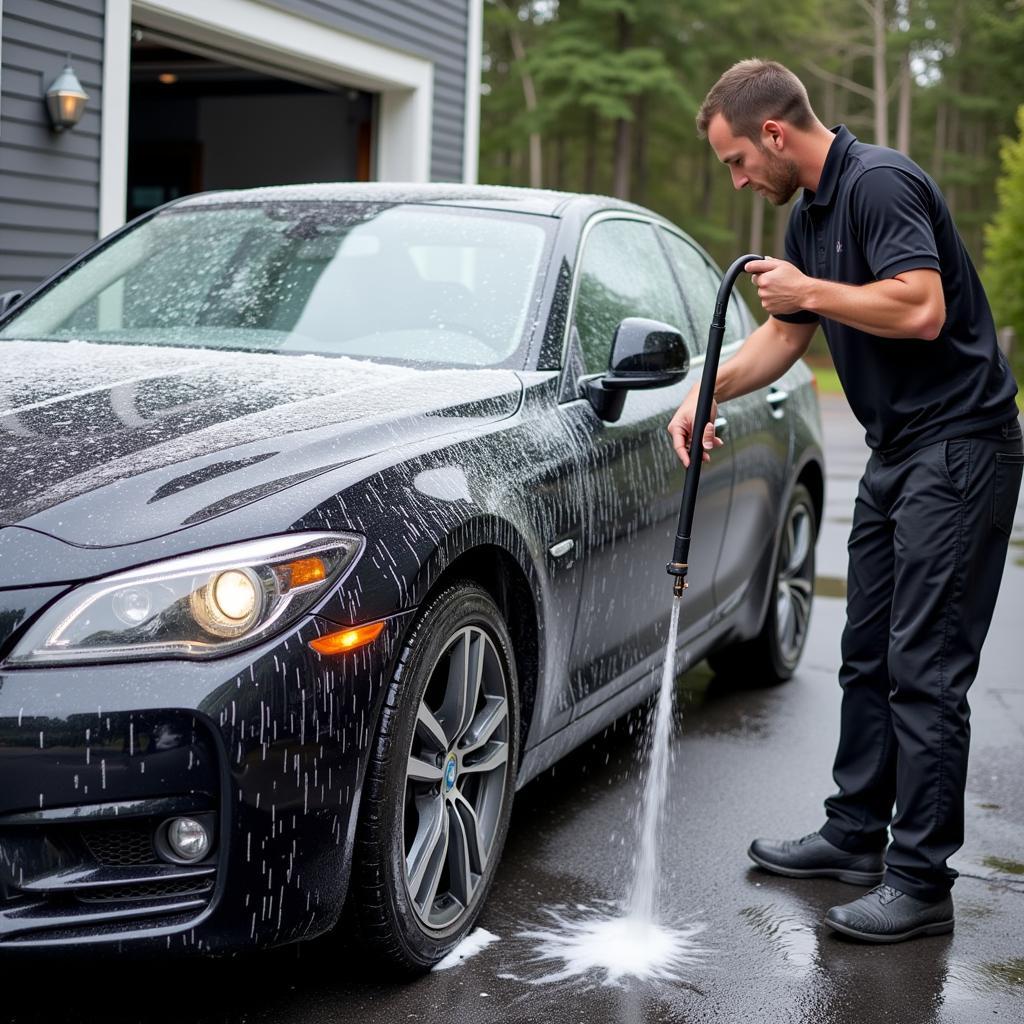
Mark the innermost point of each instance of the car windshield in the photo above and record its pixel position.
(399, 283)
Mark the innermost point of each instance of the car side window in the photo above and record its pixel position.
(623, 273)
(735, 321)
(698, 287)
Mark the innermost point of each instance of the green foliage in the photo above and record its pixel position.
(1004, 238)
(596, 65)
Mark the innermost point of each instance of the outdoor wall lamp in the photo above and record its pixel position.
(65, 100)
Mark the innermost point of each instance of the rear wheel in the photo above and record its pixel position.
(772, 656)
(440, 782)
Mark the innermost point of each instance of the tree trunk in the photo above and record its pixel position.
(952, 139)
(640, 151)
(756, 224)
(880, 86)
(530, 96)
(830, 104)
(939, 149)
(706, 182)
(590, 154)
(623, 155)
(623, 137)
(903, 110)
(779, 241)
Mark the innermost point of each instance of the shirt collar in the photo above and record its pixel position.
(834, 160)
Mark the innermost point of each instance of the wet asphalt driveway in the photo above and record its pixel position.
(747, 762)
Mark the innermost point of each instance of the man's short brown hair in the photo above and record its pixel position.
(752, 92)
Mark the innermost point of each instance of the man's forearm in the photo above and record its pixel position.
(887, 309)
(764, 357)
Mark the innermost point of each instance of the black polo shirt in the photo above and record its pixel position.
(876, 214)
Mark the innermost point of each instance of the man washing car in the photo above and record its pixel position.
(873, 256)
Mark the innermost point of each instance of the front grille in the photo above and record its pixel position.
(146, 891)
(121, 845)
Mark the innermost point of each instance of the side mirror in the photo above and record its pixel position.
(9, 299)
(645, 354)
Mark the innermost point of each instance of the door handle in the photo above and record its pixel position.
(563, 547)
(776, 398)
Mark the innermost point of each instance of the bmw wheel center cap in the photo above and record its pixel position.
(450, 772)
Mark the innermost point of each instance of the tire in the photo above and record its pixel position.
(772, 656)
(439, 784)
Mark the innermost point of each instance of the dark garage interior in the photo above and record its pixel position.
(200, 120)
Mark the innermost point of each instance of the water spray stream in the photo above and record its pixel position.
(639, 944)
(643, 898)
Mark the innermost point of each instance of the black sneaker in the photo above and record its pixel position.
(815, 857)
(888, 915)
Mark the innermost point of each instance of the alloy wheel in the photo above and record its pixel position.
(794, 586)
(456, 778)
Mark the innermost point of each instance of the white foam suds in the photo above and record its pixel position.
(615, 946)
(475, 941)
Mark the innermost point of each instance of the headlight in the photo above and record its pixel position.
(196, 606)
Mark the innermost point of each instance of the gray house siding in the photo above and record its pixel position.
(435, 29)
(49, 183)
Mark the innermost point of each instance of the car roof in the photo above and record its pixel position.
(546, 202)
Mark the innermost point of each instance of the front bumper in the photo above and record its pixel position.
(270, 745)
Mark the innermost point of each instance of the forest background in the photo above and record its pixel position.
(601, 96)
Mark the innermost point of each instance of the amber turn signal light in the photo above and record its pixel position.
(347, 639)
(303, 571)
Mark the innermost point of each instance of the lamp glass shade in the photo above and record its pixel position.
(65, 100)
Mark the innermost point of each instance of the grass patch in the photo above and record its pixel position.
(828, 380)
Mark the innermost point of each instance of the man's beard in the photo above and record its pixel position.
(782, 178)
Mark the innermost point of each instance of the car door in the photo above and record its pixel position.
(759, 436)
(632, 477)
(699, 285)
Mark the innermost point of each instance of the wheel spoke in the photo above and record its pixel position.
(460, 869)
(430, 843)
(492, 755)
(800, 541)
(429, 731)
(436, 864)
(420, 770)
(483, 727)
(471, 823)
(462, 689)
(474, 679)
(785, 614)
(800, 595)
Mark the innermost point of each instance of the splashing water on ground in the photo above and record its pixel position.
(635, 944)
(619, 946)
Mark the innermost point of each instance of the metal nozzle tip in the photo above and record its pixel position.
(677, 586)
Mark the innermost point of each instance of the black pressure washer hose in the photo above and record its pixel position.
(681, 552)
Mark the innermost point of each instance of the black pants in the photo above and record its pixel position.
(927, 549)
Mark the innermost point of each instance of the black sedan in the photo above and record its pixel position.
(331, 515)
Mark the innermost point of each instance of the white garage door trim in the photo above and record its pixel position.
(404, 82)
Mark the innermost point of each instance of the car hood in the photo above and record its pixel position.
(112, 444)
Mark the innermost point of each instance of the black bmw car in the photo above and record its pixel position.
(331, 515)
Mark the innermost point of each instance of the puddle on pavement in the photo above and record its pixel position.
(993, 976)
(1008, 972)
(789, 935)
(1003, 866)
